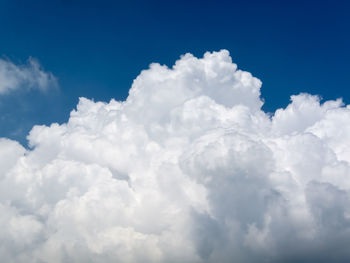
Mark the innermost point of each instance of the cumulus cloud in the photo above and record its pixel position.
(187, 169)
(26, 76)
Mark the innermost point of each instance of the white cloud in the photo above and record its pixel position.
(187, 169)
(26, 76)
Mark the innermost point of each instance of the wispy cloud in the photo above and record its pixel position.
(25, 76)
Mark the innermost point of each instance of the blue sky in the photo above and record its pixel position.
(96, 48)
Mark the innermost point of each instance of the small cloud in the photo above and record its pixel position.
(25, 76)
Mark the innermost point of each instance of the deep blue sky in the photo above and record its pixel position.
(96, 48)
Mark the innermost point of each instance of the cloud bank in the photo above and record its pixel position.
(26, 76)
(187, 169)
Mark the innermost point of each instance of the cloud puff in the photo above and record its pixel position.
(187, 169)
(26, 76)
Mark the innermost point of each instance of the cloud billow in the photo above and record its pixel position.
(187, 169)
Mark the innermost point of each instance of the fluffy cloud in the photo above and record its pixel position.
(187, 169)
(27, 76)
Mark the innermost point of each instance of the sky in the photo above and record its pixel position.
(96, 49)
(183, 132)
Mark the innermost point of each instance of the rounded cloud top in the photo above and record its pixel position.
(214, 76)
(187, 169)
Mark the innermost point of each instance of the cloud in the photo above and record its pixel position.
(26, 76)
(187, 169)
